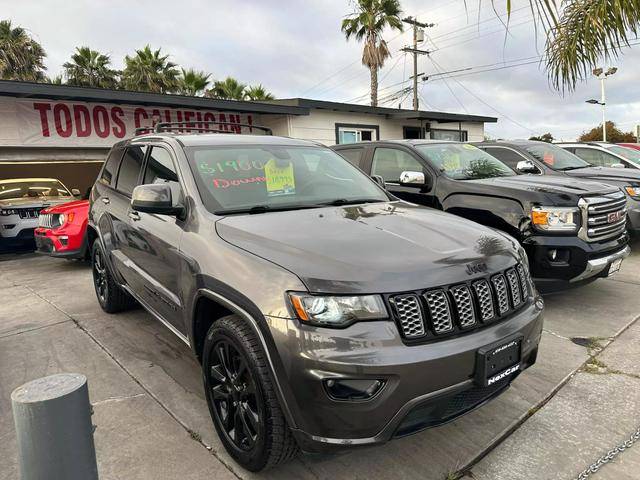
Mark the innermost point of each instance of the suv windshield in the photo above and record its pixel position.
(32, 189)
(629, 153)
(260, 178)
(555, 157)
(463, 161)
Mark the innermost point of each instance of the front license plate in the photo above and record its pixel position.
(497, 362)
(614, 267)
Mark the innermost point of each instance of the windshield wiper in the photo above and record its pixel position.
(263, 209)
(574, 167)
(350, 201)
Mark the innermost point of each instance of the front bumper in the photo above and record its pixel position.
(14, 229)
(425, 385)
(54, 245)
(577, 260)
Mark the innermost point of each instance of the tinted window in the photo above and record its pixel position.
(353, 155)
(161, 169)
(232, 179)
(111, 166)
(389, 163)
(597, 157)
(555, 157)
(628, 153)
(506, 155)
(463, 161)
(130, 167)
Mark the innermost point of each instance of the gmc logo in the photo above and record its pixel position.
(615, 216)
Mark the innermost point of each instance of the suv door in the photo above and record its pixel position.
(506, 155)
(124, 238)
(390, 162)
(155, 251)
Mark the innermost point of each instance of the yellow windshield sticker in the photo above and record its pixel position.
(469, 147)
(280, 178)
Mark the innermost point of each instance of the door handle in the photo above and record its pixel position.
(134, 216)
(106, 200)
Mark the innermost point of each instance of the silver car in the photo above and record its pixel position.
(21, 200)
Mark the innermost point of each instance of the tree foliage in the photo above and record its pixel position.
(367, 23)
(90, 68)
(614, 135)
(545, 137)
(193, 82)
(21, 57)
(149, 71)
(227, 89)
(257, 93)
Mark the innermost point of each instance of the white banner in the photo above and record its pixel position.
(51, 123)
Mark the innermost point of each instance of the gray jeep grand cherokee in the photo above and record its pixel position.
(325, 312)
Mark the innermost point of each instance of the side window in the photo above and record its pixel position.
(161, 169)
(592, 156)
(353, 155)
(130, 167)
(111, 166)
(389, 163)
(509, 157)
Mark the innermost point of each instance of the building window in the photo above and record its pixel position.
(453, 135)
(412, 132)
(351, 133)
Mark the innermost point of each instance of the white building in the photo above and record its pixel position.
(65, 132)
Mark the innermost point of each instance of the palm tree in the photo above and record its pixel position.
(89, 68)
(21, 57)
(193, 82)
(257, 93)
(228, 89)
(368, 22)
(149, 71)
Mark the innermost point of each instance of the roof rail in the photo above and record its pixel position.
(141, 130)
(170, 126)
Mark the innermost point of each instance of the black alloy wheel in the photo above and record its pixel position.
(234, 396)
(100, 279)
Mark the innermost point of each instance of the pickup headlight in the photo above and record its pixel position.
(337, 311)
(5, 212)
(633, 192)
(555, 219)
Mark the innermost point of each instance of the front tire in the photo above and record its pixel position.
(111, 297)
(242, 399)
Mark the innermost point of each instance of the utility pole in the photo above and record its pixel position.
(602, 76)
(418, 36)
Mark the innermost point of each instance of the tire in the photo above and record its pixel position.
(111, 297)
(241, 386)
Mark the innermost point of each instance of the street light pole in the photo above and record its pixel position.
(602, 76)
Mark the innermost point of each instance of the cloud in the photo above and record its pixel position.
(295, 48)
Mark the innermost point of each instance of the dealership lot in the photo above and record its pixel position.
(152, 420)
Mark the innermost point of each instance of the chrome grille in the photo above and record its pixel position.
(410, 315)
(483, 292)
(29, 212)
(514, 287)
(523, 281)
(500, 286)
(464, 306)
(603, 217)
(439, 309)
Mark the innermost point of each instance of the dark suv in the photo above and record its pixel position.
(325, 313)
(571, 229)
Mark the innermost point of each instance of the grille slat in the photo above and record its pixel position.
(500, 287)
(598, 209)
(410, 314)
(440, 312)
(523, 281)
(485, 300)
(514, 288)
(464, 306)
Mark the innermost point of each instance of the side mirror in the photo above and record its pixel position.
(618, 165)
(75, 192)
(412, 178)
(379, 180)
(154, 198)
(526, 166)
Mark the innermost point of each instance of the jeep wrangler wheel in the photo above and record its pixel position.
(242, 399)
(111, 297)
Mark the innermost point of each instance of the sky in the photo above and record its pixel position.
(296, 49)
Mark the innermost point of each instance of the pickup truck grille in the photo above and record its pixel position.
(461, 307)
(604, 217)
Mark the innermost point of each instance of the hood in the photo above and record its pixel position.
(31, 202)
(65, 207)
(371, 248)
(606, 174)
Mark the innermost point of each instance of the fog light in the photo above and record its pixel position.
(352, 389)
(553, 254)
(64, 240)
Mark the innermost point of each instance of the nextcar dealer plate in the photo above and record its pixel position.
(499, 361)
(614, 267)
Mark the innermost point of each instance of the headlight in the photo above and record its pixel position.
(337, 311)
(633, 191)
(555, 219)
(5, 212)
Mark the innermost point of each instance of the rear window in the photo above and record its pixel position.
(130, 167)
(353, 155)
